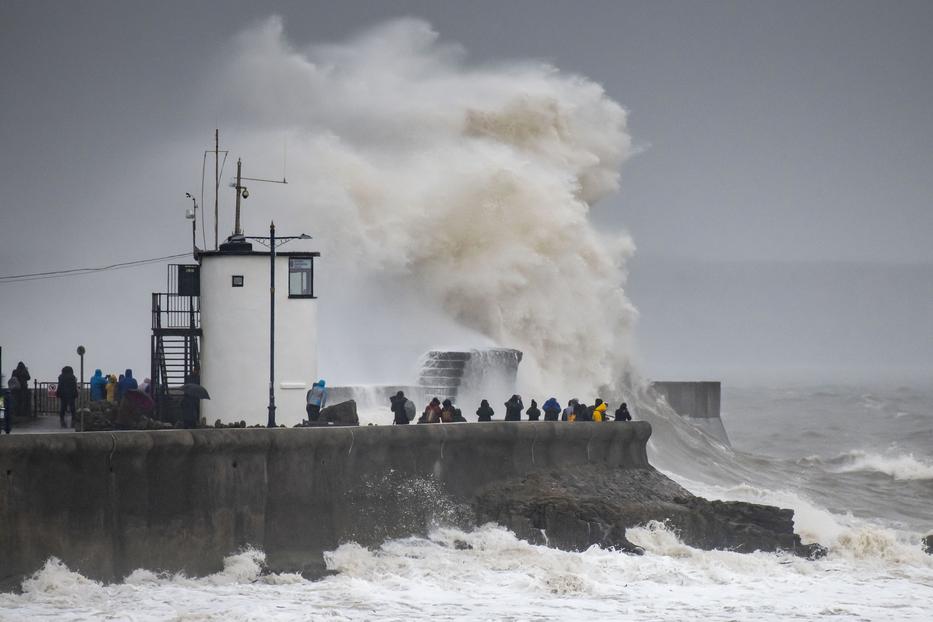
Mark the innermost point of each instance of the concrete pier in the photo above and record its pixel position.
(108, 503)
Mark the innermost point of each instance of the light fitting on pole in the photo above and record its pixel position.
(190, 213)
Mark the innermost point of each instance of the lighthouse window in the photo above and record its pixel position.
(300, 277)
(237, 280)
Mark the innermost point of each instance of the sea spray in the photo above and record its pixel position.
(452, 201)
(468, 186)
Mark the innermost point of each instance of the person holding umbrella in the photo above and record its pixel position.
(192, 394)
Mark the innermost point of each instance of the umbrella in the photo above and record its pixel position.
(410, 409)
(195, 390)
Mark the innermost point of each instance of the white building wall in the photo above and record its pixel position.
(235, 344)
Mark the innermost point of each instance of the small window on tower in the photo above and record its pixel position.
(238, 280)
(301, 277)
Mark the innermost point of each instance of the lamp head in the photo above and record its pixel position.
(245, 193)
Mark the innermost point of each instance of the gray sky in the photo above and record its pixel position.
(785, 177)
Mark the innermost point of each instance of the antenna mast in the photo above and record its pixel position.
(242, 192)
(216, 183)
(239, 188)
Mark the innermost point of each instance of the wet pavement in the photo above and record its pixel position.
(43, 424)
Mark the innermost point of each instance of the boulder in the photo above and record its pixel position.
(343, 413)
(928, 544)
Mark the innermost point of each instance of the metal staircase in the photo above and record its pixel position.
(176, 344)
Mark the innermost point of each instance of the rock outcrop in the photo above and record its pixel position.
(578, 507)
(128, 415)
(928, 544)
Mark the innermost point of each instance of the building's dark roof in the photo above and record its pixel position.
(204, 254)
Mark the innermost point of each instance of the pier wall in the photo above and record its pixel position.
(182, 500)
(697, 402)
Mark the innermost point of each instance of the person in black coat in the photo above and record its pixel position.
(583, 412)
(190, 411)
(66, 393)
(484, 412)
(513, 408)
(622, 413)
(21, 395)
(398, 408)
(533, 412)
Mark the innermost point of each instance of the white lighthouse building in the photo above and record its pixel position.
(235, 324)
(215, 322)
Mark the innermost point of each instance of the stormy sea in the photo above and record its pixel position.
(855, 463)
(452, 200)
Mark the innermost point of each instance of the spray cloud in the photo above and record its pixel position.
(466, 187)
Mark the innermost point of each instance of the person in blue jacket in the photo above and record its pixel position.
(551, 409)
(127, 383)
(98, 386)
(315, 398)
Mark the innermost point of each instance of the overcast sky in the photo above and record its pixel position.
(770, 133)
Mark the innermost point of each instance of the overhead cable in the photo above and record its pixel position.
(54, 274)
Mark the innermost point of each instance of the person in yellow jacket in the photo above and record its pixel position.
(599, 410)
(111, 388)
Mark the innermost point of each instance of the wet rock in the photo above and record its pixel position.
(343, 413)
(578, 507)
(928, 544)
(97, 416)
(812, 551)
(104, 416)
(220, 425)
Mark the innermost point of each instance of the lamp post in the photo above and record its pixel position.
(273, 242)
(81, 352)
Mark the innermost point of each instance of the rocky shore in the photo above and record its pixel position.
(577, 507)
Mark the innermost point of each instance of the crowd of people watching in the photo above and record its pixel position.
(16, 397)
(403, 411)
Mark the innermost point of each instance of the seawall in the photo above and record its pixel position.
(108, 503)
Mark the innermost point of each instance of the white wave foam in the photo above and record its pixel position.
(488, 573)
(846, 536)
(900, 467)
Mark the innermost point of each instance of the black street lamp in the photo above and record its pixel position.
(273, 242)
(81, 352)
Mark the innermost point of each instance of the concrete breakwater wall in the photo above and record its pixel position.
(697, 402)
(108, 503)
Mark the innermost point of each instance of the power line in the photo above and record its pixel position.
(53, 274)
